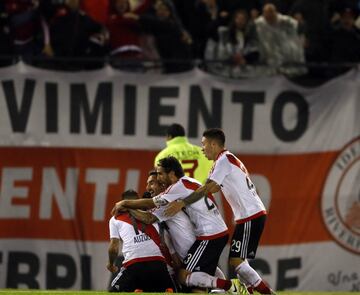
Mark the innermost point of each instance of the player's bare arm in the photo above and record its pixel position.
(176, 206)
(177, 261)
(113, 254)
(143, 216)
(124, 205)
(212, 186)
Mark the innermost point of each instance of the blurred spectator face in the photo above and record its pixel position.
(347, 19)
(270, 14)
(162, 11)
(15, 6)
(299, 17)
(73, 4)
(209, 3)
(254, 13)
(121, 6)
(240, 20)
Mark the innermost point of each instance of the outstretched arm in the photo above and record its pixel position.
(143, 216)
(209, 187)
(132, 204)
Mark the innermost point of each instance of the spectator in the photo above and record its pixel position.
(283, 6)
(125, 32)
(28, 29)
(335, 7)
(302, 29)
(345, 39)
(174, 12)
(238, 44)
(210, 15)
(171, 41)
(316, 16)
(75, 34)
(5, 38)
(279, 40)
(49, 9)
(96, 9)
(185, 9)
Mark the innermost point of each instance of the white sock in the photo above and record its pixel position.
(200, 279)
(219, 273)
(247, 274)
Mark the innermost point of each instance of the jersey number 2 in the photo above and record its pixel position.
(208, 205)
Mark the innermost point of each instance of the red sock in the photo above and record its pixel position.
(250, 290)
(223, 284)
(262, 288)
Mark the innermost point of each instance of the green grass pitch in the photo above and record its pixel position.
(57, 292)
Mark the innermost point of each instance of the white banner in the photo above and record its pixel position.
(71, 143)
(53, 264)
(109, 108)
(309, 267)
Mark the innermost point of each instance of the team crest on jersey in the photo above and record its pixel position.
(341, 198)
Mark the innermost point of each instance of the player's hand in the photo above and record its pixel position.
(173, 208)
(112, 267)
(118, 208)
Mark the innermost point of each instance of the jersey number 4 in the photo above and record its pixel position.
(250, 185)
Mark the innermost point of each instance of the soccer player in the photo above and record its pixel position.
(210, 229)
(231, 177)
(180, 229)
(190, 156)
(153, 186)
(144, 265)
(179, 226)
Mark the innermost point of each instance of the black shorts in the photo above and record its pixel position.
(204, 255)
(149, 276)
(246, 237)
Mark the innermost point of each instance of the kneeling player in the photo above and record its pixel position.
(144, 265)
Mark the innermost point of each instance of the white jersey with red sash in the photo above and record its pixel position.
(232, 176)
(140, 242)
(206, 218)
(180, 228)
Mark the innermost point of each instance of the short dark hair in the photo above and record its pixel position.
(129, 195)
(215, 134)
(175, 130)
(152, 173)
(171, 164)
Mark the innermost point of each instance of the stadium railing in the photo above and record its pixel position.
(310, 71)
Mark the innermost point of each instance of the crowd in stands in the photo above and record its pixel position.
(232, 35)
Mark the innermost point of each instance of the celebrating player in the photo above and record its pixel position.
(144, 265)
(210, 229)
(231, 177)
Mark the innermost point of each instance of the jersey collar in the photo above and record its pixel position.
(177, 140)
(223, 151)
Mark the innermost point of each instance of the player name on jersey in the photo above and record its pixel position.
(141, 238)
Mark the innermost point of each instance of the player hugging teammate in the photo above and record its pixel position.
(196, 232)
